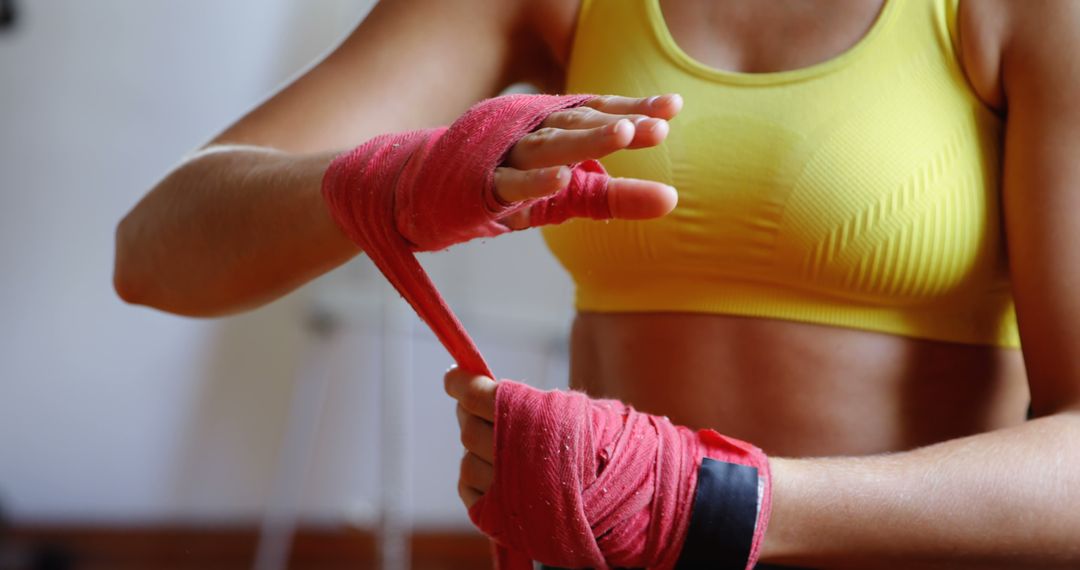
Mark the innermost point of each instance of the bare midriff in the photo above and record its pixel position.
(798, 389)
(793, 389)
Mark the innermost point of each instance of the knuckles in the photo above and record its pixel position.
(580, 116)
(471, 434)
(466, 435)
(474, 399)
(474, 474)
(463, 470)
(539, 136)
(449, 381)
(600, 100)
(463, 494)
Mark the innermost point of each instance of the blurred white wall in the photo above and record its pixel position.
(115, 413)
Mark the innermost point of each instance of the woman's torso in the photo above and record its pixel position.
(793, 388)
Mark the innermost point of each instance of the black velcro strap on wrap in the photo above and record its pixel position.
(723, 518)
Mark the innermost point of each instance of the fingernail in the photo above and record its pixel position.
(614, 127)
(665, 99)
(650, 125)
(656, 100)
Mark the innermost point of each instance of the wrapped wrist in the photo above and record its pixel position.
(583, 483)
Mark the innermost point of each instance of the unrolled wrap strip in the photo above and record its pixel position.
(428, 189)
(578, 482)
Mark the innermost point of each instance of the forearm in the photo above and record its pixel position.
(1004, 499)
(230, 228)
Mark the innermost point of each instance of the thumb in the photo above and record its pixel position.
(592, 193)
(636, 199)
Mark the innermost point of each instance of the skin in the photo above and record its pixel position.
(968, 484)
(948, 475)
(241, 222)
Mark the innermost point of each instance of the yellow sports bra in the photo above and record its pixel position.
(860, 192)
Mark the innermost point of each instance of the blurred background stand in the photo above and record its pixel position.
(7, 14)
(334, 309)
(137, 439)
(281, 513)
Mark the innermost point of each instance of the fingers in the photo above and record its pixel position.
(601, 126)
(476, 474)
(634, 199)
(648, 131)
(552, 147)
(475, 412)
(587, 118)
(468, 495)
(513, 185)
(475, 393)
(477, 435)
(627, 198)
(661, 106)
(518, 220)
(604, 124)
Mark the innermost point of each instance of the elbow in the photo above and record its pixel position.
(138, 281)
(127, 288)
(127, 282)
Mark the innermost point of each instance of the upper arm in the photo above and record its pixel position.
(555, 24)
(409, 64)
(1041, 193)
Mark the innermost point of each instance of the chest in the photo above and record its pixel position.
(760, 37)
(872, 176)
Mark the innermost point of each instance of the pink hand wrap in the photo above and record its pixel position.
(584, 483)
(578, 482)
(426, 190)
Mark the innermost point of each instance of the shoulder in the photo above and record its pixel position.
(1003, 42)
(1042, 44)
(981, 26)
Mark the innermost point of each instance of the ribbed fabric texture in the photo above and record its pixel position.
(861, 192)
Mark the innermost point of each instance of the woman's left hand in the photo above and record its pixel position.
(476, 415)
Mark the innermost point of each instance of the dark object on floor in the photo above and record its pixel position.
(7, 14)
(43, 554)
(51, 557)
(228, 547)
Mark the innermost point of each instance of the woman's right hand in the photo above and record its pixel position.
(537, 164)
